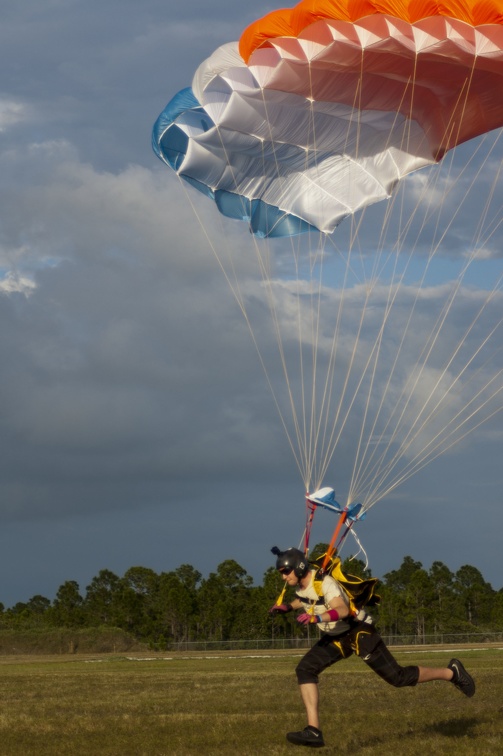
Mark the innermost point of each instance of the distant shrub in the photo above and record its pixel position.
(94, 640)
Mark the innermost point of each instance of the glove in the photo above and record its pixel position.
(308, 619)
(280, 609)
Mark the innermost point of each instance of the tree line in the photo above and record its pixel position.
(182, 606)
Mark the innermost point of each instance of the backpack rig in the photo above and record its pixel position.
(361, 592)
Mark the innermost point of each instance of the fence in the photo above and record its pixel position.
(278, 644)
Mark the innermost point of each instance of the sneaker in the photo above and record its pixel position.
(309, 736)
(462, 680)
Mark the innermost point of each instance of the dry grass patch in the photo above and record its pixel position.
(241, 705)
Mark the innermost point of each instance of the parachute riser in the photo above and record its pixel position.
(331, 551)
(310, 510)
(348, 515)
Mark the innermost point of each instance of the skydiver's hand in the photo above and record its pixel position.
(308, 619)
(280, 609)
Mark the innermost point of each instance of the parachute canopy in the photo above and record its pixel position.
(322, 109)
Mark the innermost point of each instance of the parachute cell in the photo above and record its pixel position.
(322, 109)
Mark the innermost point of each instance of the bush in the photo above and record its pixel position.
(95, 640)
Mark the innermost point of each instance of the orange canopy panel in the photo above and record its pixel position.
(290, 22)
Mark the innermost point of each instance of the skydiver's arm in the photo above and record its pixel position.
(338, 610)
(284, 608)
(338, 605)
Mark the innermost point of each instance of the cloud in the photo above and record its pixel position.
(131, 351)
(122, 357)
(11, 283)
(11, 113)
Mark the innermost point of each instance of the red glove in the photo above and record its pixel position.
(280, 609)
(308, 619)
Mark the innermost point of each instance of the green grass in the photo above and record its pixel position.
(240, 705)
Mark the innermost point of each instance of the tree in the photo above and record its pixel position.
(222, 597)
(103, 599)
(135, 601)
(67, 608)
(418, 599)
(233, 576)
(180, 606)
(399, 579)
(38, 604)
(215, 610)
(443, 602)
(38, 608)
(474, 594)
(142, 580)
(189, 577)
(182, 600)
(497, 610)
(393, 612)
(177, 606)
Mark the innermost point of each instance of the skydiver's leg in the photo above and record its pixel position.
(427, 674)
(310, 699)
(322, 655)
(454, 672)
(369, 645)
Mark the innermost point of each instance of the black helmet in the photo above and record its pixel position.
(292, 559)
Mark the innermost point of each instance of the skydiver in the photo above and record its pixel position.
(341, 636)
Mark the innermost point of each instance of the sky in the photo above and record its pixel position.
(136, 424)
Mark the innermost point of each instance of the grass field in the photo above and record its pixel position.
(241, 704)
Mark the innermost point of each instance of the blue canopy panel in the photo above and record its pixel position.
(171, 143)
(178, 105)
